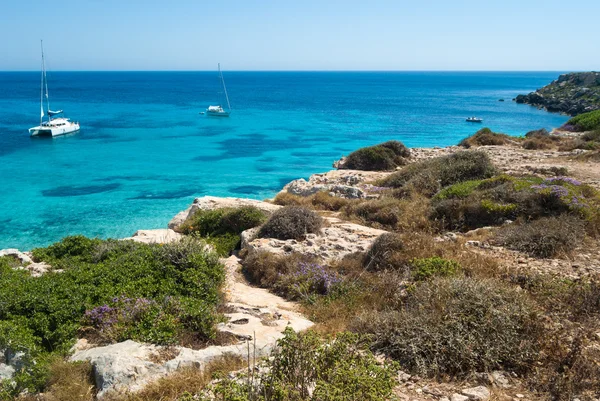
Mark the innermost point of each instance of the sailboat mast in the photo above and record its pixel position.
(224, 88)
(42, 86)
(45, 78)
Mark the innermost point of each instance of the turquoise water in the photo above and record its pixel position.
(144, 152)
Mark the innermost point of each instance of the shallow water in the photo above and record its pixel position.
(144, 151)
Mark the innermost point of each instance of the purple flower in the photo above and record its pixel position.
(567, 180)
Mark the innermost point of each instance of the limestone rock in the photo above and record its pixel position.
(336, 240)
(158, 236)
(214, 202)
(477, 393)
(458, 397)
(23, 257)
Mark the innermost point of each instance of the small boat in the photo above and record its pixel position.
(56, 124)
(474, 120)
(218, 110)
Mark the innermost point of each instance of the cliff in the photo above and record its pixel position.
(572, 94)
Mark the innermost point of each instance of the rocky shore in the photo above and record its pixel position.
(258, 316)
(571, 94)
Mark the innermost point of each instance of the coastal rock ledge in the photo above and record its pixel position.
(572, 94)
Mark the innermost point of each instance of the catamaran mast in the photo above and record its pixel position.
(42, 86)
(224, 88)
(45, 78)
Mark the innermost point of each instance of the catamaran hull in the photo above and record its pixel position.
(55, 131)
(217, 114)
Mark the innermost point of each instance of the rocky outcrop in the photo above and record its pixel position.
(26, 262)
(572, 94)
(213, 202)
(342, 183)
(254, 315)
(337, 239)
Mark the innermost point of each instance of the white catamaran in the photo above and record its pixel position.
(53, 126)
(218, 110)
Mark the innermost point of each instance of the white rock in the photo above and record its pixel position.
(458, 397)
(336, 240)
(477, 393)
(158, 236)
(15, 253)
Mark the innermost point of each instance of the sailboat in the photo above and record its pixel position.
(56, 124)
(218, 110)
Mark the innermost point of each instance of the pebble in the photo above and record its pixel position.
(477, 393)
(458, 397)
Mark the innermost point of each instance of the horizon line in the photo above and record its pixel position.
(307, 70)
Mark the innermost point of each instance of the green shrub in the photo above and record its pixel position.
(385, 156)
(222, 227)
(305, 367)
(485, 137)
(476, 204)
(457, 326)
(586, 121)
(160, 293)
(429, 176)
(425, 268)
(543, 238)
(291, 222)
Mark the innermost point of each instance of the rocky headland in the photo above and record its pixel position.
(572, 94)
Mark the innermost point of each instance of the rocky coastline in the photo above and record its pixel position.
(572, 94)
(257, 315)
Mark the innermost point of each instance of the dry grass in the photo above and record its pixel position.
(184, 381)
(321, 200)
(409, 214)
(485, 137)
(70, 381)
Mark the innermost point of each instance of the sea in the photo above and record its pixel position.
(145, 152)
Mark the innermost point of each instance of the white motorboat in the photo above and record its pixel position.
(474, 120)
(56, 124)
(218, 110)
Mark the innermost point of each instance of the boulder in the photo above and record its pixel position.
(22, 257)
(477, 393)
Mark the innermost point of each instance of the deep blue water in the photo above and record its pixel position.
(144, 152)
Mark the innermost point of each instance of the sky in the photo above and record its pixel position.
(546, 35)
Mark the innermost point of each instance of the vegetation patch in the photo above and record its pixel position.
(426, 268)
(429, 176)
(485, 137)
(584, 122)
(222, 227)
(482, 203)
(541, 139)
(544, 238)
(385, 156)
(321, 200)
(306, 367)
(455, 326)
(107, 291)
(291, 222)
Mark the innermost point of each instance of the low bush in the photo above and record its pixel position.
(321, 200)
(457, 326)
(222, 227)
(386, 254)
(293, 276)
(385, 156)
(429, 176)
(540, 139)
(585, 122)
(305, 367)
(291, 222)
(480, 203)
(544, 238)
(485, 137)
(108, 291)
(392, 214)
(426, 268)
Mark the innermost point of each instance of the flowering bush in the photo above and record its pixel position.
(307, 280)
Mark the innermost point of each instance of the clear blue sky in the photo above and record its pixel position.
(301, 34)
